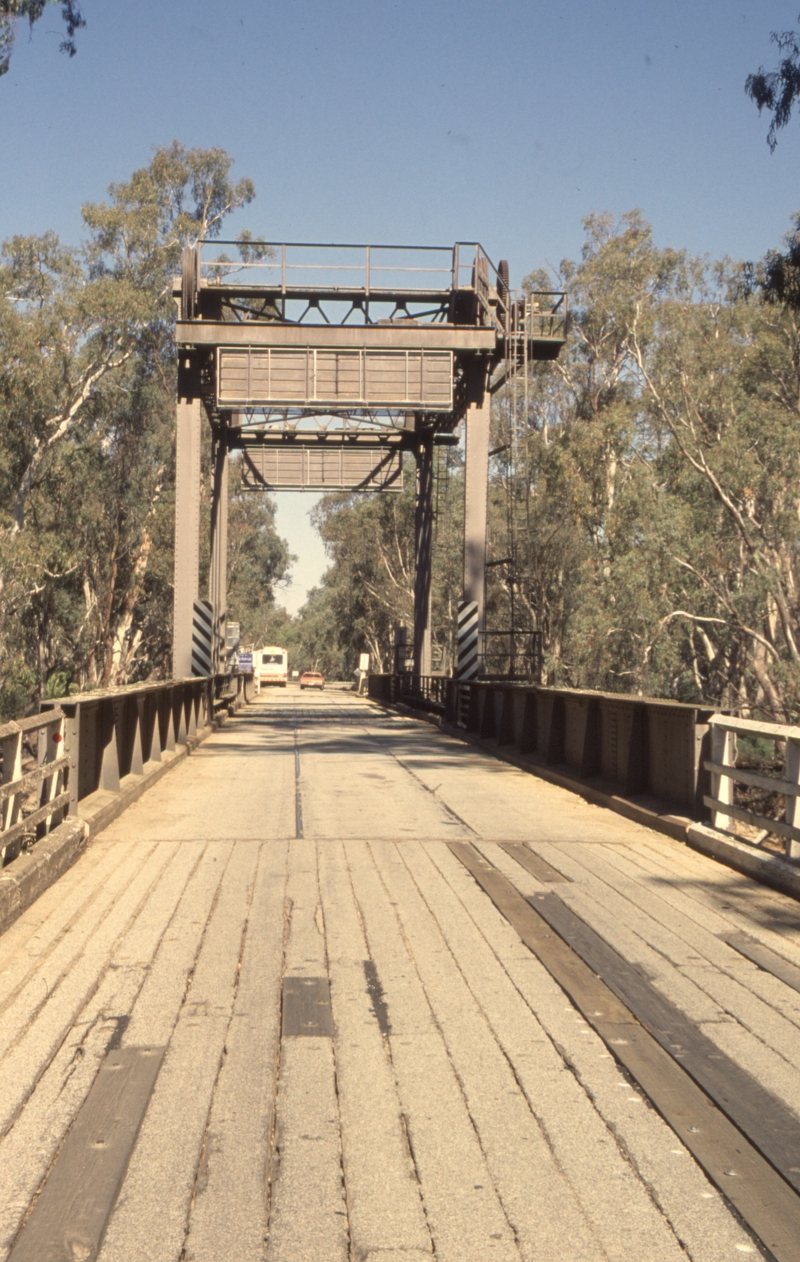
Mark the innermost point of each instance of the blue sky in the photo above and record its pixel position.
(414, 122)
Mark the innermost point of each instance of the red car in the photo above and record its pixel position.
(312, 679)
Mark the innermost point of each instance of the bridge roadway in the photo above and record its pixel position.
(458, 1105)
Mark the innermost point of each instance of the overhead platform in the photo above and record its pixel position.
(326, 467)
(331, 378)
(318, 345)
(338, 328)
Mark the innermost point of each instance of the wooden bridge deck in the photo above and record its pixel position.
(452, 1100)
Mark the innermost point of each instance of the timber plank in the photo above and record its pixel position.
(764, 957)
(533, 863)
(69, 1219)
(768, 1204)
(766, 1122)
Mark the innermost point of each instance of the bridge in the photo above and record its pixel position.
(462, 969)
(342, 985)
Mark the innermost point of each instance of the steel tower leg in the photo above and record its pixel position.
(187, 532)
(476, 489)
(218, 568)
(423, 556)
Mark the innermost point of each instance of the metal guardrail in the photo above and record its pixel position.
(32, 800)
(296, 266)
(99, 741)
(639, 747)
(123, 732)
(725, 775)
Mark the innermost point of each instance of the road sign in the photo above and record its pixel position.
(245, 661)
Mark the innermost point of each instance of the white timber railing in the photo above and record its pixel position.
(725, 775)
(32, 801)
(84, 751)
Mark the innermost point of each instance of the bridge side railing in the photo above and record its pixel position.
(111, 735)
(638, 746)
(33, 798)
(725, 775)
(684, 756)
(98, 743)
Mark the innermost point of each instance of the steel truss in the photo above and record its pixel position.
(306, 350)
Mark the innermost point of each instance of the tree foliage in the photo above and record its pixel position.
(645, 487)
(12, 10)
(87, 390)
(258, 560)
(777, 90)
(655, 510)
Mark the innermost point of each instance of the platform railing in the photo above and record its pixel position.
(33, 794)
(725, 775)
(289, 267)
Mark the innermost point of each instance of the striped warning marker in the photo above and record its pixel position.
(467, 640)
(202, 627)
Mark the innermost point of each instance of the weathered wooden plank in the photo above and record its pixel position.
(765, 958)
(31, 723)
(35, 817)
(772, 783)
(776, 731)
(32, 778)
(767, 1123)
(764, 1199)
(69, 1219)
(775, 826)
(533, 863)
(307, 1007)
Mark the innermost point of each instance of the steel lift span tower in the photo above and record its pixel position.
(323, 364)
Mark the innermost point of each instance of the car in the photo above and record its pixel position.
(312, 679)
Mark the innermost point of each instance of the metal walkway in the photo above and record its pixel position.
(366, 1045)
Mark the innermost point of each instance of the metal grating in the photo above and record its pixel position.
(306, 376)
(328, 468)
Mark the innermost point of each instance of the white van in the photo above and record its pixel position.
(271, 666)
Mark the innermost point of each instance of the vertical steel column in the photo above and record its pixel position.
(187, 531)
(476, 489)
(423, 555)
(218, 569)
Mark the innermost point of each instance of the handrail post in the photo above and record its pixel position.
(136, 724)
(723, 752)
(154, 725)
(792, 770)
(51, 740)
(72, 748)
(12, 770)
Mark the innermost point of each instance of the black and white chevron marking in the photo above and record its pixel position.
(467, 640)
(202, 630)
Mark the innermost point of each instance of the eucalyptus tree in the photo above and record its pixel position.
(581, 462)
(723, 379)
(87, 371)
(659, 527)
(11, 11)
(777, 90)
(258, 560)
